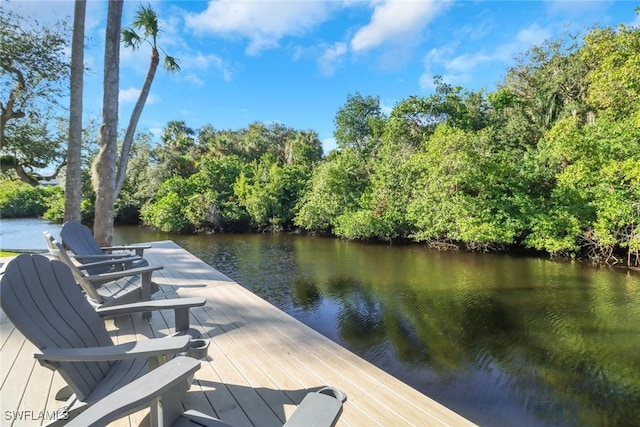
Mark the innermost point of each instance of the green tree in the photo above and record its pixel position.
(33, 73)
(167, 212)
(594, 202)
(465, 193)
(414, 119)
(146, 20)
(18, 199)
(335, 187)
(613, 58)
(546, 84)
(144, 177)
(270, 192)
(180, 153)
(587, 163)
(359, 123)
(381, 212)
(302, 148)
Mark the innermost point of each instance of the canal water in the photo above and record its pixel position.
(503, 340)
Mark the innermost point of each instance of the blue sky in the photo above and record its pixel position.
(294, 62)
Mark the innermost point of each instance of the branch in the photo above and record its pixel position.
(22, 174)
(8, 112)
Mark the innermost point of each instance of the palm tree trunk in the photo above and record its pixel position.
(73, 182)
(135, 117)
(104, 173)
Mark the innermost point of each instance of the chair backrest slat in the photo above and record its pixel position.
(79, 239)
(60, 253)
(42, 300)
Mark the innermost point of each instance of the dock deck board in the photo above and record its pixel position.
(260, 364)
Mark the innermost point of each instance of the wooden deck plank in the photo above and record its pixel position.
(12, 343)
(380, 412)
(15, 383)
(373, 385)
(6, 328)
(260, 364)
(301, 352)
(230, 372)
(259, 375)
(57, 383)
(35, 397)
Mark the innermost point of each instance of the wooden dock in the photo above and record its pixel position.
(261, 361)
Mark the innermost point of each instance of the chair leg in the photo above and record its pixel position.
(145, 292)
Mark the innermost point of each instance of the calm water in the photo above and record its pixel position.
(504, 341)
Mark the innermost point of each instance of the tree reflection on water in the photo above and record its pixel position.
(501, 340)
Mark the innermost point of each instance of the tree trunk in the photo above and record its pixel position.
(104, 167)
(133, 121)
(73, 182)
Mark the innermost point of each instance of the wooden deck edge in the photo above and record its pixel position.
(261, 360)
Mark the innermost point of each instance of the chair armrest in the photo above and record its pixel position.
(318, 408)
(107, 262)
(170, 380)
(130, 350)
(114, 275)
(125, 247)
(104, 256)
(139, 249)
(180, 307)
(153, 305)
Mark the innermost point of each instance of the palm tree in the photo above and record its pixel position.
(104, 166)
(73, 182)
(146, 21)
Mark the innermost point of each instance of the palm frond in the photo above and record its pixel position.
(130, 38)
(171, 64)
(147, 20)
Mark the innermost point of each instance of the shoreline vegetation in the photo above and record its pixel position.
(5, 254)
(548, 163)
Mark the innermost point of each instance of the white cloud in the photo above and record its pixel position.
(457, 69)
(328, 144)
(395, 20)
(532, 35)
(479, 28)
(467, 62)
(193, 78)
(199, 61)
(435, 58)
(156, 131)
(386, 109)
(263, 22)
(131, 95)
(331, 56)
(45, 13)
(194, 65)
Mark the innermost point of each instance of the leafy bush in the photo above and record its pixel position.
(55, 206)
(167, 214)
(19, 200)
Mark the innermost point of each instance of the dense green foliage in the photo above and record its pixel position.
(229, 180)
(19, 200)
(549, 161)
